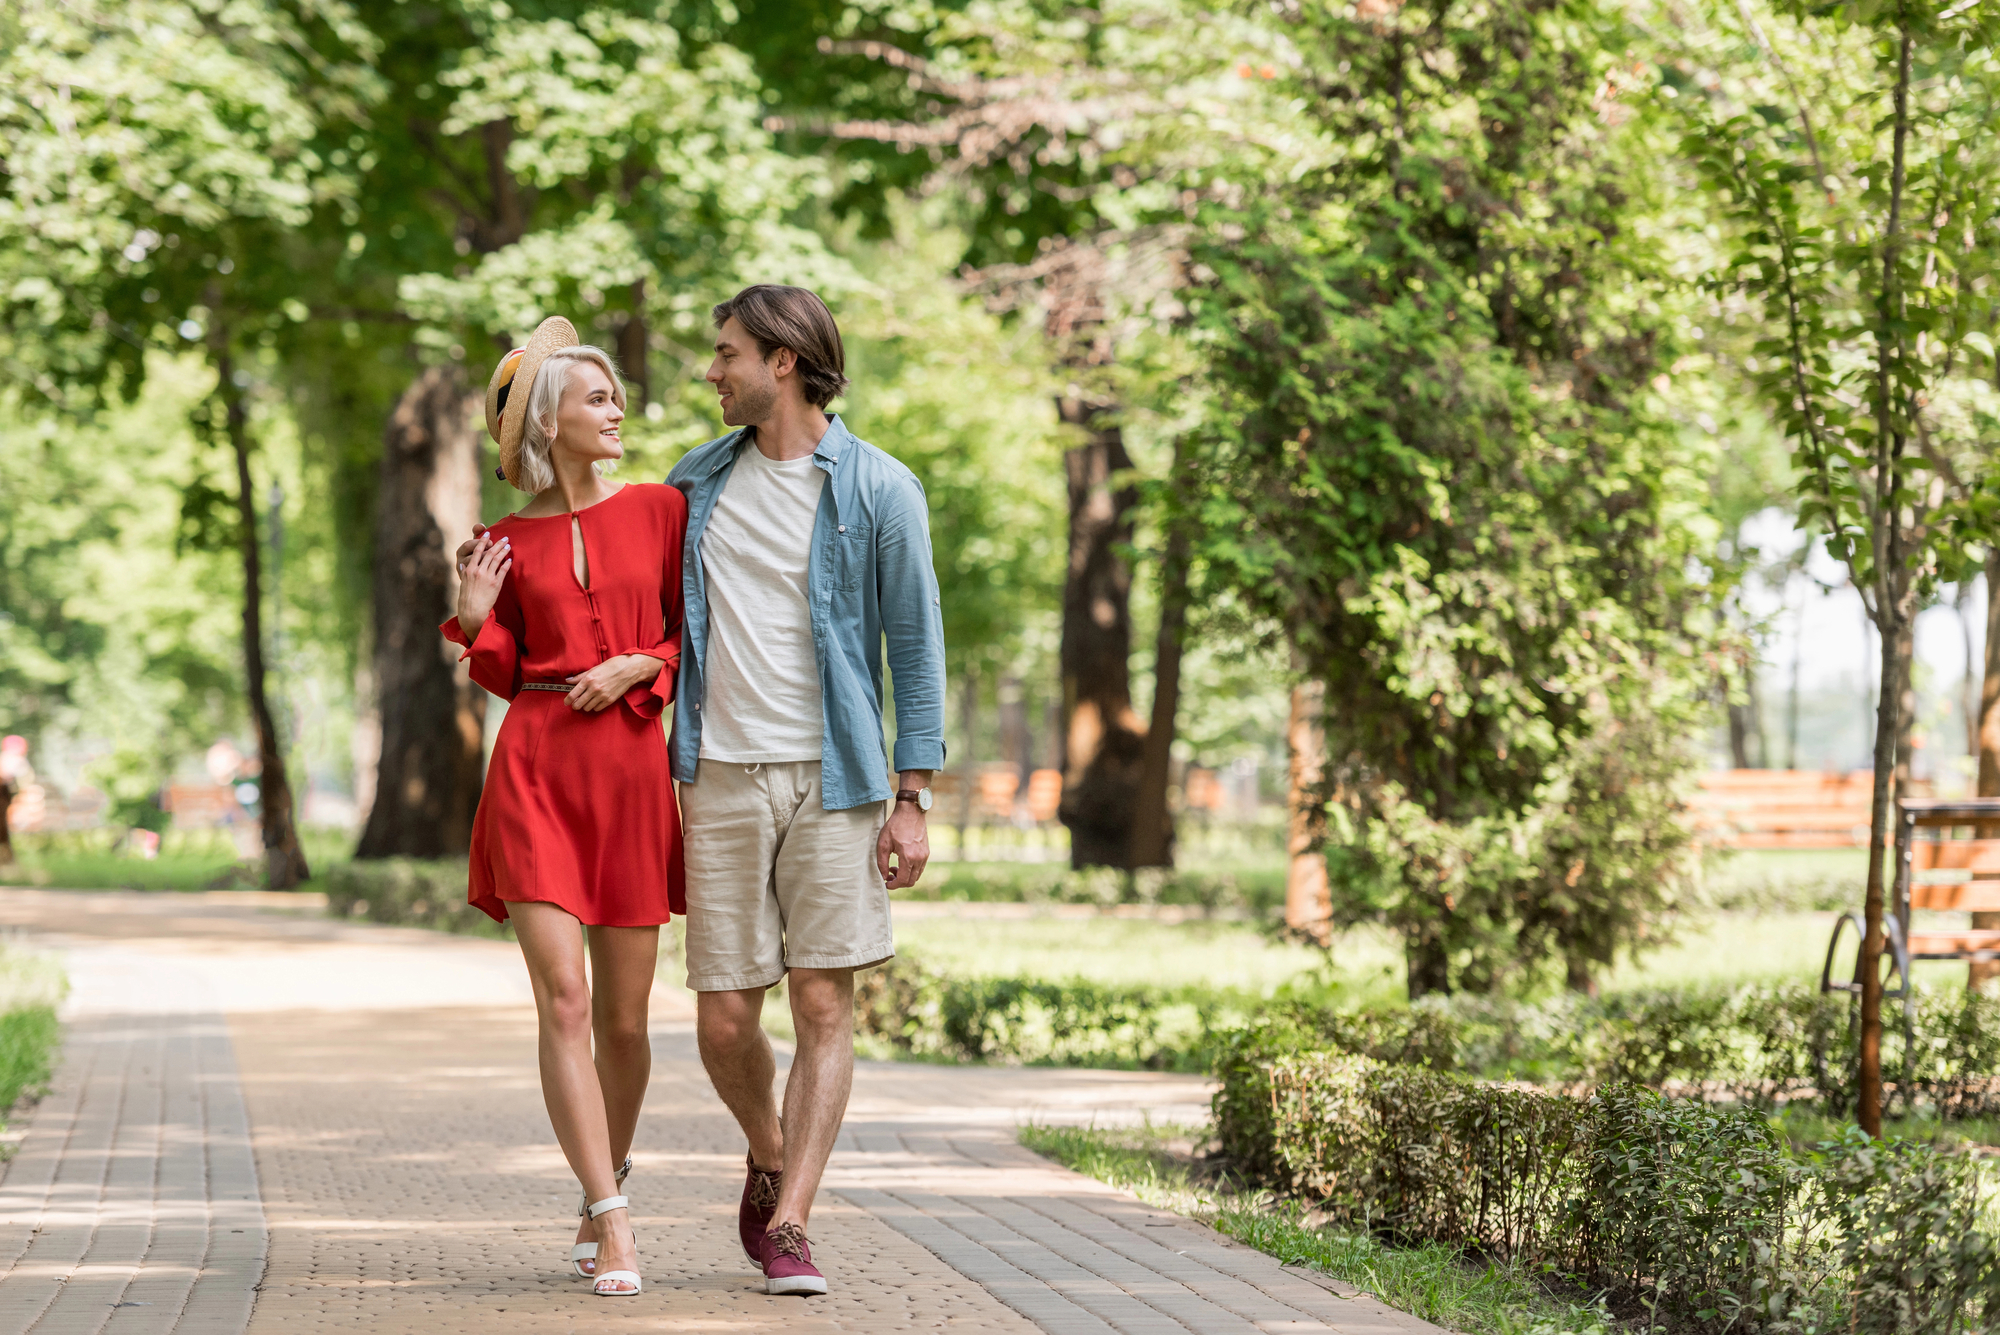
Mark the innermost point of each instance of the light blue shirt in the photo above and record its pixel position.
(869, 582)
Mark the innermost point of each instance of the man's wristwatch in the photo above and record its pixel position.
(921, 796)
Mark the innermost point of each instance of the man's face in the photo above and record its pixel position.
(743, 379)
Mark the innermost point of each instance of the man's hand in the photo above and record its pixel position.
(466, 548)
(605, 685)
(906, 837)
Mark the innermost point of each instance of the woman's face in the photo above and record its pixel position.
(588, 417)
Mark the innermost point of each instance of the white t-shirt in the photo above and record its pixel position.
(762, 703)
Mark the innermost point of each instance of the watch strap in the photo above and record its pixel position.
(909, 795)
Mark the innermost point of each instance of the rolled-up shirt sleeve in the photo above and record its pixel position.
(912, 625)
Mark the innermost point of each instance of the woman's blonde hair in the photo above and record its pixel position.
(538, 426)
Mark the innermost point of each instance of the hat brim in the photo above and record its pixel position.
(505, 424)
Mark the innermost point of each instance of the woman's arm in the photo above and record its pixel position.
(651, 690)
(612, 680)
(489, 621)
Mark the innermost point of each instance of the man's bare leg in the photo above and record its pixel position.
(816, 1090)
(739, 1061)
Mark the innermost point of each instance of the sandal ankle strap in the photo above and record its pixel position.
(608, 1204)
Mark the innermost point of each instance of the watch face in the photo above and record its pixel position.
(923, 799)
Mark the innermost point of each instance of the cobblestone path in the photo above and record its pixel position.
(265, 1121)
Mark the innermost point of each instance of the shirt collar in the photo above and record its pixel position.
(832, 445)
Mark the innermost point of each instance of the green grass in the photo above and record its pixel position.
(1129, 951)
(1431, 1282)
(1256, 885)
(1805, 1128)
(1771, 880)
(27, 1046)
(1363, 967)
(188, 860)
(31, 986)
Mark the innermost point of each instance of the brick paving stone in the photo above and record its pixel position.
(131, 1206)
(345, 1124)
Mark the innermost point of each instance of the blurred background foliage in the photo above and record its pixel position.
(1337, 402)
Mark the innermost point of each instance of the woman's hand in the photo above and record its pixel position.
(480, 578)
(606, 684)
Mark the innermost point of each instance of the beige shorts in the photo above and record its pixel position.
(774, 881)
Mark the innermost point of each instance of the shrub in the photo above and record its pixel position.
(1907, 1221)
(1697, 1214)
(1759, 1046)
(406, 892)
(1036, 1021)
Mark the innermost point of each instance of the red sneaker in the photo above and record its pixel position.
(760, 1202)
(788, 1263)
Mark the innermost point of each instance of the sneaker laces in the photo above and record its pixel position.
(788, 1240)
(763, 1186)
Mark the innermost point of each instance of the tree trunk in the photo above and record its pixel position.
(1792, 696)
(1989, 744)
(968, 720)
(284, 858)
(632, 353)
(1739, 731)
(1103, 743)
(1308, 901)
(1894, 614)
(6, 830)
(1888, 729)
(1429, 967)
(1153, 826)
(1017, 739)
(432, 716)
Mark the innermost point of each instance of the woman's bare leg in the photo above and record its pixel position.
(552, 943)
(622, 964)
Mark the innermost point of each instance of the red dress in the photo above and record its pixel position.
(578, 808)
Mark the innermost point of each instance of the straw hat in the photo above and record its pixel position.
(507, 411)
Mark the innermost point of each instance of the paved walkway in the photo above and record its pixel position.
(266, 1121)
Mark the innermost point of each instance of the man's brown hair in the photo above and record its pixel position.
(776, 317)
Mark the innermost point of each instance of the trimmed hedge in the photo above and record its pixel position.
(1036, 1022)
(1758, 1047)
(1693, 1213)
(406, 892)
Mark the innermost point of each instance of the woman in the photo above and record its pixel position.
(571, 610)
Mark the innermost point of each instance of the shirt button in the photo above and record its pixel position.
(697, 706)
(843, 528)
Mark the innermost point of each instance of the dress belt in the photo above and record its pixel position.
(564, 686)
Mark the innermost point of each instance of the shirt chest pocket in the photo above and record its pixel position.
(853, 556)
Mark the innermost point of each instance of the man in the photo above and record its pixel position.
(807, 551)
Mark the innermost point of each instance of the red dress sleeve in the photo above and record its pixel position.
(649, 699)
(496, 651)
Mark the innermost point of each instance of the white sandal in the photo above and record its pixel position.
(587, 1251)
(631, 1277)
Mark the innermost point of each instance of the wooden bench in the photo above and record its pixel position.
(1964, 873)
(1938, 839)
(1777, 808)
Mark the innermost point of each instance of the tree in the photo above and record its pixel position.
(1072, 136)
(1855, 170)
(1434, 462)
(160, 157)
(565, 157)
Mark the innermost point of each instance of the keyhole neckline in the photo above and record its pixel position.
(623, 487)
